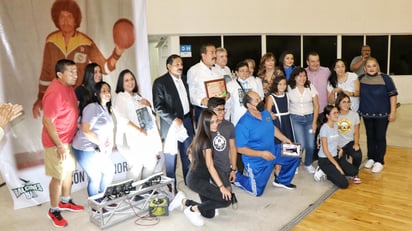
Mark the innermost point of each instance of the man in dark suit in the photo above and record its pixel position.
(171, 103)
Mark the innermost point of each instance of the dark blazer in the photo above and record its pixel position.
(167, 102)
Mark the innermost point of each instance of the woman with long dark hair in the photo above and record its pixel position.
(349, 130)
(84, 92)
(93, 142)
(343, 82)
(212, 195)
(137, 135)
(331, 159)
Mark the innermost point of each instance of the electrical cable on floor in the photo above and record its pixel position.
(145, 220)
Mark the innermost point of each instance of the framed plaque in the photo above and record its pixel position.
(144, 118)
(216, 88)
(292, 150)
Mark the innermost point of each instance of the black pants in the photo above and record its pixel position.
(356, 155)
(376, 138)
(333, 173)
(209, 194)
(239, 163)
(198, 110)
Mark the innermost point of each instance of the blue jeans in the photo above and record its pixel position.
(302, 127)
(99, 169)
(171, 158)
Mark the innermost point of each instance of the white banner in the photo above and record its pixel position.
(24, 26)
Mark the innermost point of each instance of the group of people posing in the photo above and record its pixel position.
(317, 107)
(237, 139)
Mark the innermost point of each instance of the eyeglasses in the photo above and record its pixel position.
(219, 109)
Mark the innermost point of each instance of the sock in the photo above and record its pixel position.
(65, 199)
(54, 209)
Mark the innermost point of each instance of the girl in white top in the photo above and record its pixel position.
(303, 101)
(331, 159)
(342, 82)
(137, 136)
(348, 127)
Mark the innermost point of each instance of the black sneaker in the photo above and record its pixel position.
(290, 186)
(279, 185)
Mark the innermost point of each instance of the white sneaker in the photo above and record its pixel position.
(310, 169)
(377, 167)
(319, 175)
(194, 217)
(369, 163)
(177, 201)
(216, 212)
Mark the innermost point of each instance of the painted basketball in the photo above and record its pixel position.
(123, 33)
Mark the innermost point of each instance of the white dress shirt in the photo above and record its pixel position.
(182, 93)
(301, 103)
(196, 77)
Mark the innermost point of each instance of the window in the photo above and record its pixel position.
(238, 50)
(379, 50)
(401, 55)
(351, 47)
(325, 46)
(278, 44)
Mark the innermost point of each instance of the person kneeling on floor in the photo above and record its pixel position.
(255, 134)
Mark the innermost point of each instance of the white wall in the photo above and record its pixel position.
(194, 17)
(316, 17)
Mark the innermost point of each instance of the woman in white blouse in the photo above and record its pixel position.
(342, 82)
(137, 135)
(303, 101)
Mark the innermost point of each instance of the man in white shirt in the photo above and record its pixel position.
(198, 74)
(220, 67)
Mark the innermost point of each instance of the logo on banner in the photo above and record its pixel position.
(29, 189)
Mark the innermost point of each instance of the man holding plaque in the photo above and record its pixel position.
(200, 73)
(259, 152)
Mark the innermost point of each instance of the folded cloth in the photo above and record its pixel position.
(175, 133)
